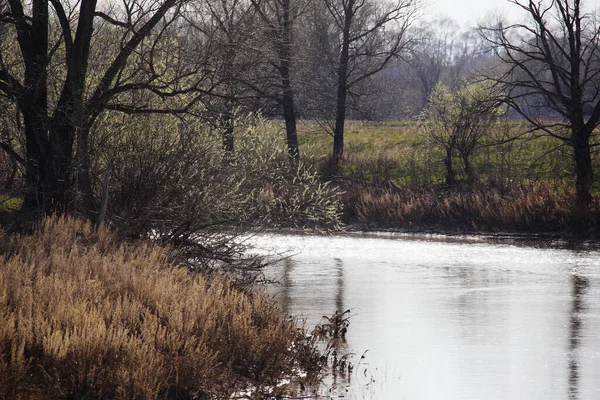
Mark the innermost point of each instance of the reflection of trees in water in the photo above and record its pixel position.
(472, 297)
(580, 285)
(339, 295)
(339, 346)
(286, 283)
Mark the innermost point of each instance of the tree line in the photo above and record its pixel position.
(65, 64)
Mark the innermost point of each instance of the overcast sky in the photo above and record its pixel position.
(469, 12)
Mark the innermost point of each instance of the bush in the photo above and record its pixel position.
(171, 179)
(166, 171)
(85, 317)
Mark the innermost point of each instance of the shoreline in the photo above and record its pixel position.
(537, 239)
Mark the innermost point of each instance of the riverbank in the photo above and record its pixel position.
(87, 316)
(537, 240)
(533, 211)
(393, 177)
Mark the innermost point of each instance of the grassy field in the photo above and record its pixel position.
(393, 177)
(401, 152)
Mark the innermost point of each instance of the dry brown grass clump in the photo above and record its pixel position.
(84, 317)
(537, 208)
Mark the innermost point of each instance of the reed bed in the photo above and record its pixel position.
(83, 316)
(535, 208)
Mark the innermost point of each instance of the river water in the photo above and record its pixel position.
(439, 319)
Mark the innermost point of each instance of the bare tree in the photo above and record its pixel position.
(315, 42)
(60, 94)
(224, 31)
(278, 18)
(551, 78)
(371, 35)
(434, 53)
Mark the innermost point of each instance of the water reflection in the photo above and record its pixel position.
(579, 284)
(339, 298)
(286, 285)
(451, 321)
(337, 345)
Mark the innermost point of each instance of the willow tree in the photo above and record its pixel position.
(552, 77)
(458, 119)
(64, 63)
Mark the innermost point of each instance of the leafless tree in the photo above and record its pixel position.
(73, 60)
(279, 18)
(434, 53)
(551, 76)
(371, 35)
(224, 32)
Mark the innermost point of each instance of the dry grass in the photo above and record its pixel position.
(392, 177)
(536, 208)
(84, 317)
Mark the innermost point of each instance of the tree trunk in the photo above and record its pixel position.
(289, 112)
(340, 119)
(33, 102)
(450, 174)
(35, 148)
(342, 90)
(584, 173)
(468, 168)
(59, 160)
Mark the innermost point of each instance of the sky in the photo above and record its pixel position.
(469, 12)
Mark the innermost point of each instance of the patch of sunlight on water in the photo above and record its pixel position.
(449, 320)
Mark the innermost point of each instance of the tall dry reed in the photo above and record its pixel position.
(84, 317)
(535, 208)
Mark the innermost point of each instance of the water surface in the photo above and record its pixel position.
(450, 320)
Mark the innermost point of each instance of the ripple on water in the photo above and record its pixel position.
(451, 320)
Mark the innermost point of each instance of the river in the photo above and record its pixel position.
(439, 319)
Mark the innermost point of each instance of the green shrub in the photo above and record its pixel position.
(172, 180)
(167, 173)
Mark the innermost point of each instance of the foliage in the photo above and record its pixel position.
(85, 317)
(8, 203)
(457, 119)
(332, 331)
(334, 327)
(171, 179)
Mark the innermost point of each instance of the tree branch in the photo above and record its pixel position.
(9, 150)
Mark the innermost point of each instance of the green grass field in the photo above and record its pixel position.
(401, 152)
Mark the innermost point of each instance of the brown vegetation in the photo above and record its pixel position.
(467, 208)
(85, 317)
(393, 178)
